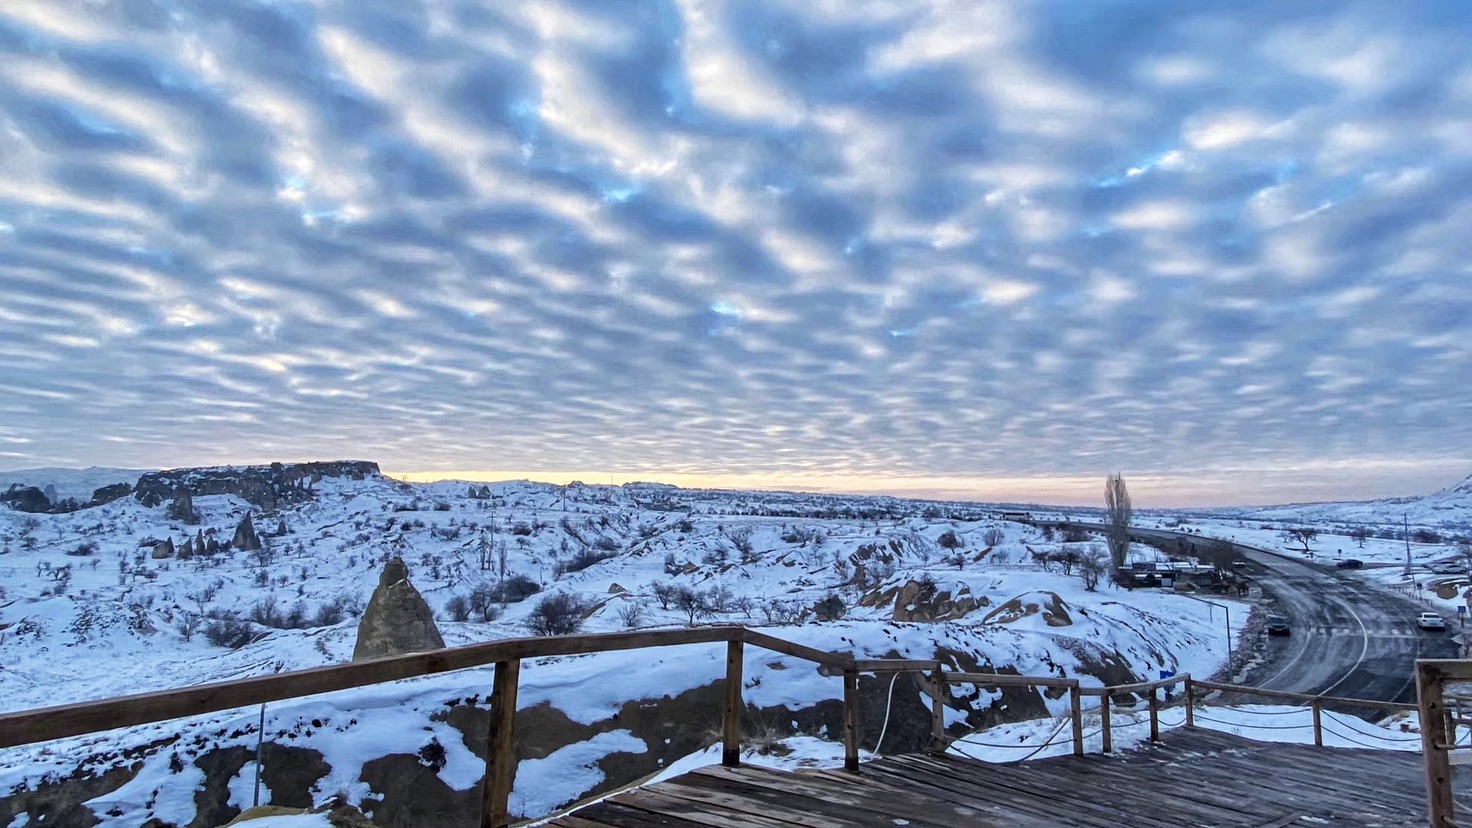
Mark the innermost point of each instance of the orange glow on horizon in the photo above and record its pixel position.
(1058, 491)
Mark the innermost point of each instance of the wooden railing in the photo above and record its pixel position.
(1438, 743)
(45, 724)
(41, 725)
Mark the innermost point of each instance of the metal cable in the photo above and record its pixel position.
(888, 706)
(1336, 718)
(1055, 732)
(1355, 741)
(1164, 723)
(956, 743)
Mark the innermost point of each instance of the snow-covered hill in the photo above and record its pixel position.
(95, 605)
(1449, 510)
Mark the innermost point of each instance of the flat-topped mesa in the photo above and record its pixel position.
(267, 487)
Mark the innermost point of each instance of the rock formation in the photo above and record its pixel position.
(26, 499)
(924, 601)
(108, 494)
(266, 487)
(182, 509)
(245, 538)
(397, 619)
(165, 549)
(31, 499)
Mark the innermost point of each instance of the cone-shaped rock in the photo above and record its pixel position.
(397, 619)
(182, 509)
(245, 538)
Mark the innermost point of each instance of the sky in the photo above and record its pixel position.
(989, 250)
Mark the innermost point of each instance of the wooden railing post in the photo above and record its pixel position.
(850, 719)
(1104, 719)
(500, 747)
(1318, 723)
(1190, 702)
(1431, 697)
(1155, 714)
(731, 729)
(938, 708)
(1076, 710)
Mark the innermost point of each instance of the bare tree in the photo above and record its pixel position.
(1301, 536)
(1117, 513)
(693, 604)
(1091, 567)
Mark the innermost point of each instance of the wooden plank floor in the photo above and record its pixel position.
(1190, 778)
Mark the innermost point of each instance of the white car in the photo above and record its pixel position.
(1450, 568)
(1430, 621)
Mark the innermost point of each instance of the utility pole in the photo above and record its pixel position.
(1405, 519)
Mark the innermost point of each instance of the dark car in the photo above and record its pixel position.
(1350, 563)
(1278, 625)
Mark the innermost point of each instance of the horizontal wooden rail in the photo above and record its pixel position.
(778, 645)
(1138, 687)
(894, 665)
(58, 722)
(1008, 680)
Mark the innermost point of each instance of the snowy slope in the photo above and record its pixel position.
(87, 612)
(1448, 509)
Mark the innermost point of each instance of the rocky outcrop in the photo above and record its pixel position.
(164, 549)
(182, 509)
(397, 619)
(108, 494)
(924, 601)
(38, 501)
(246, 539)
(267, 487)
(26, 499)
(1053, 609)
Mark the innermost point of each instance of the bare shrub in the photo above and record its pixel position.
(558, 614)
(831, 608)
(458, 608)
(631, 615)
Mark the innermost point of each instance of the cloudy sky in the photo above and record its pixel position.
(981, 249)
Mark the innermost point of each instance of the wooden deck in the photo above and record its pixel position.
(1190, 778)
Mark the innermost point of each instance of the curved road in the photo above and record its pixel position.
(1351, 638)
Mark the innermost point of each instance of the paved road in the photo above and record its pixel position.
(1351, 638)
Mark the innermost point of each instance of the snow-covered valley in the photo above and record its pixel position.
(128, 597)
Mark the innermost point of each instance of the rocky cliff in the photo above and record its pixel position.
(267, 487)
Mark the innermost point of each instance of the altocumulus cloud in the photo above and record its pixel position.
(958, 239)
